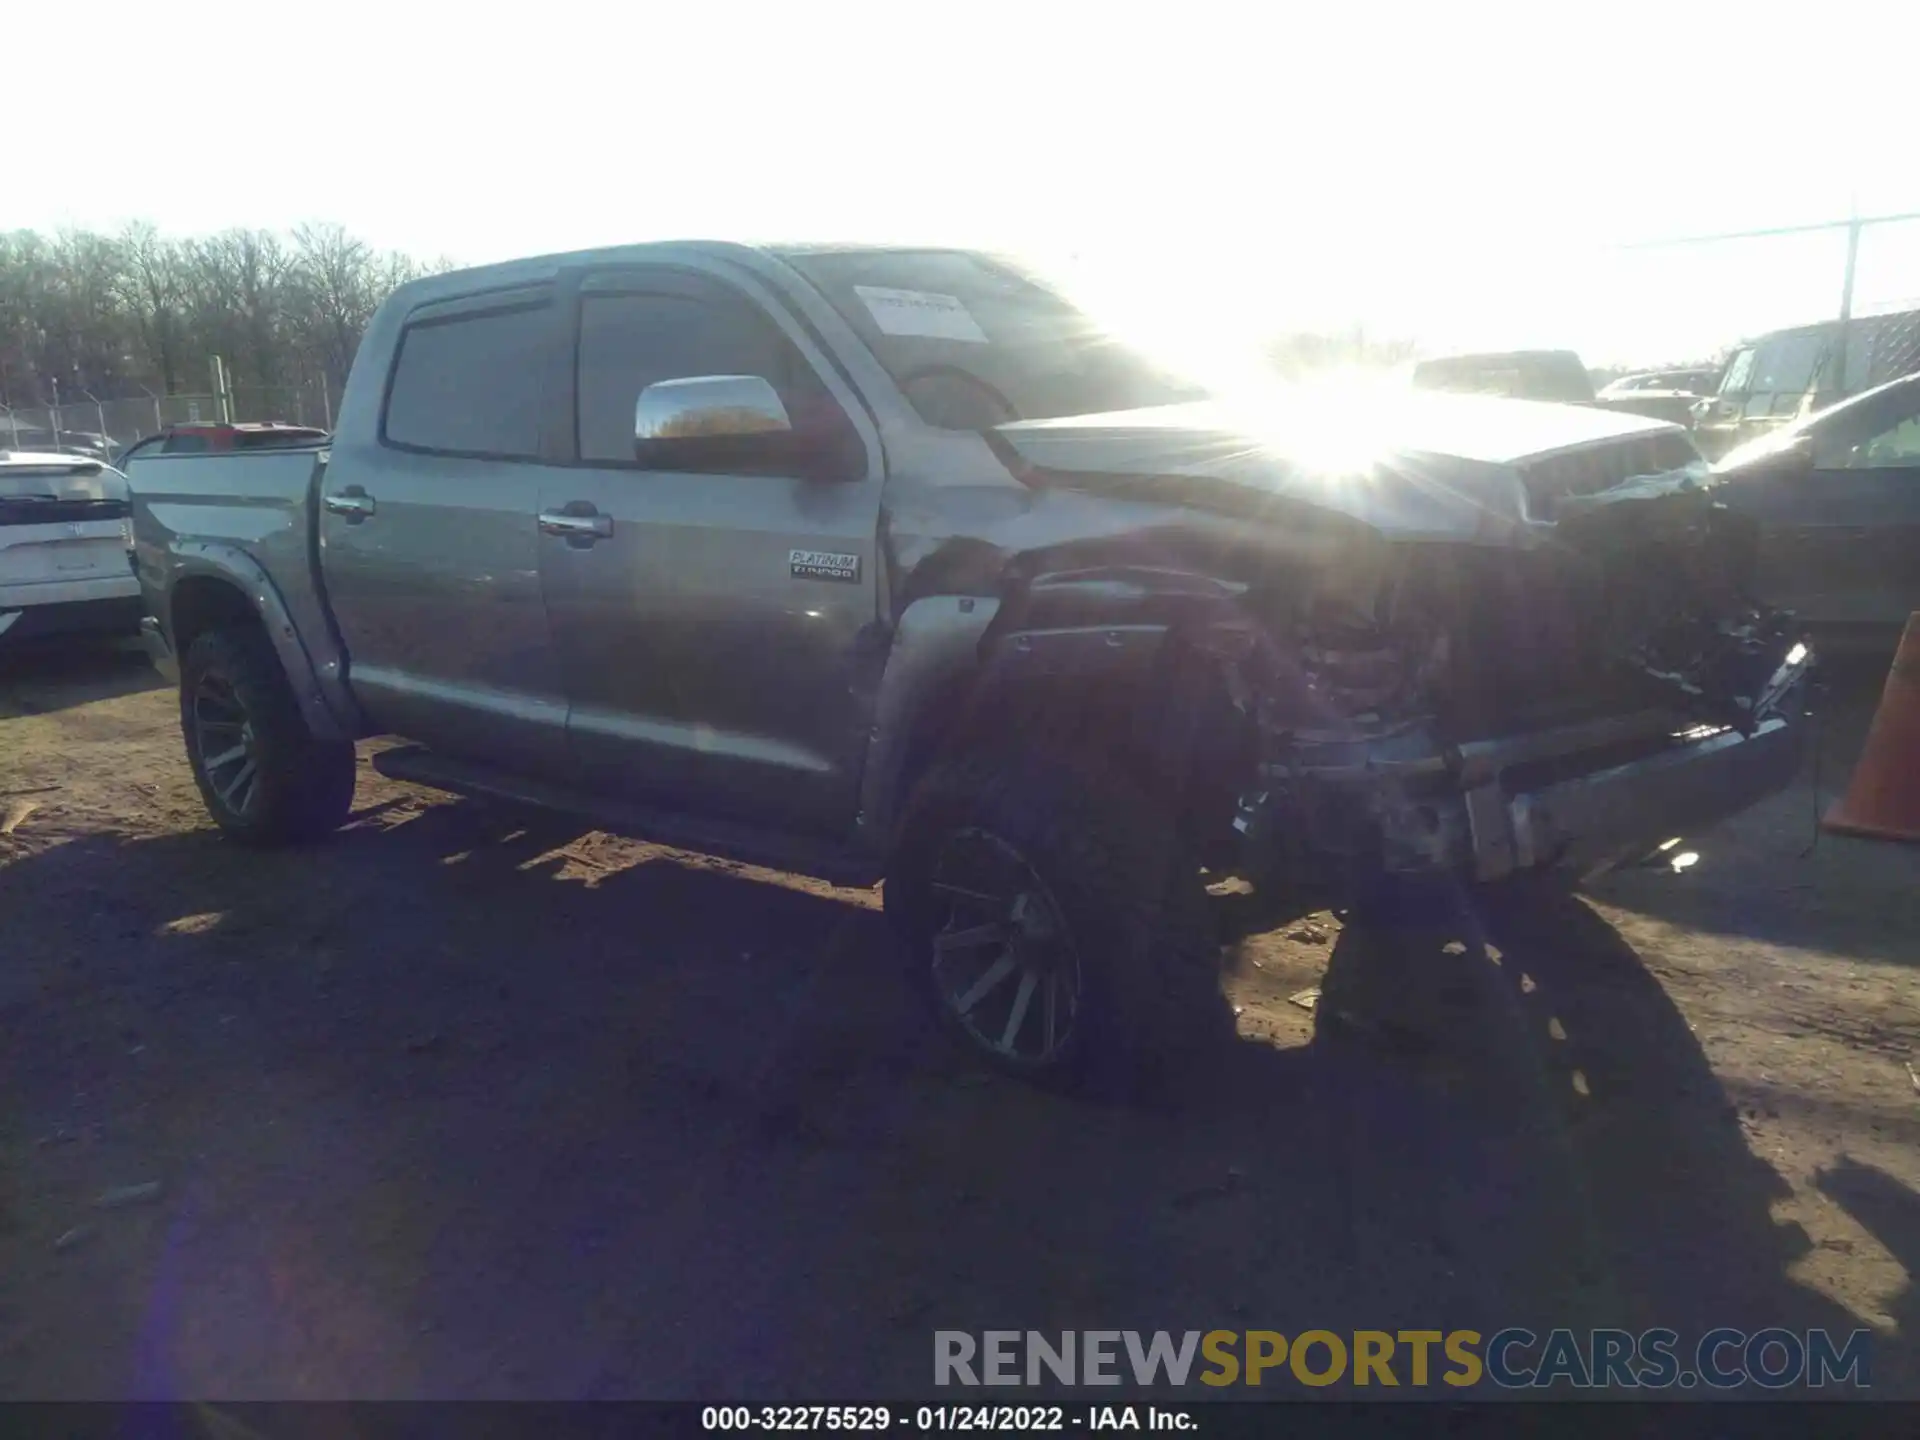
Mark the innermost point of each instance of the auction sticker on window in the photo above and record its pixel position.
(920, 312)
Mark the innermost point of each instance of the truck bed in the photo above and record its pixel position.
(250, 512)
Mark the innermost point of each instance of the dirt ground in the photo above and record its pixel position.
(460, 1104)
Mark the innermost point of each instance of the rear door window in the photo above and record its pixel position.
(1782, 372)
(1882, 432)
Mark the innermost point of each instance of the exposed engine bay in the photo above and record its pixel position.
(1637, 605)
(1445, 706)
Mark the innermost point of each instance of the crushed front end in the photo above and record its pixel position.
(1482, 711)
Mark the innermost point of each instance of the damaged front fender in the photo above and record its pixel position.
(1324, 706)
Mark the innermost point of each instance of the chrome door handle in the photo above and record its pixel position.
(353, 502)
(576, 527)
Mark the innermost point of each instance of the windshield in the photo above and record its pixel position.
(1735, 380)
(973, 343)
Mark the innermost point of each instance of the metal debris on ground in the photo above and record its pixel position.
(27, 790)
(128, 1195)
(77, 1235)
(16, 813)
(1306, 999)
(1308, 934)
(1914, 1076)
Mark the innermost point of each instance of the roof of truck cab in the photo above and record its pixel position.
(533, 269)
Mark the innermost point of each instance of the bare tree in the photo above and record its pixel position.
(153, 289)
(114, 315)
(340, 283)
(86, 339)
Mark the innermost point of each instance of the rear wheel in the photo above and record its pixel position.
(265, 777)
(1056, 923)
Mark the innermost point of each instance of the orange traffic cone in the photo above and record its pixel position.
(1883, 800)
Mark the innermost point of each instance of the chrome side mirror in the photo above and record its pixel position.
(707, 407)
(736, 425)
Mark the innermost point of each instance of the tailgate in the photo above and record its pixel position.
(61, 524)
(62, 550)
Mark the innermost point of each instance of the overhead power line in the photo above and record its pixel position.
(1859, 222)
(1852, 226)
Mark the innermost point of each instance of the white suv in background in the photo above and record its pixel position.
(65, 548)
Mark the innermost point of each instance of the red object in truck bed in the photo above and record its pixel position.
(214, 435)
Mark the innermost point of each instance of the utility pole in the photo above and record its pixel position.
(100, 413)
(222, 395)
(1846, 302)
(1853, 225)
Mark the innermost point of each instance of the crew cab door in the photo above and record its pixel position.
(429, 545)
(711, 620)
(1840, 542)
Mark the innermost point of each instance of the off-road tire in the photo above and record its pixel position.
(1152, 1012)
(304, 786)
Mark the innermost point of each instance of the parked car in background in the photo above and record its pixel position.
(882, 562)
(65, 548)
(1771, 381)
(1700, 380)
(1837, 498)
(1553, 375)
(1660, 394)
(39, 441)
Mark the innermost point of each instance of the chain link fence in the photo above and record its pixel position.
(103, 428)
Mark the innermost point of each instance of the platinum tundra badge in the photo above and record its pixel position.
(823, 565)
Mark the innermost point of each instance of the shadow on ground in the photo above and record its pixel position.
(1772, 876)
(455, 1106)
(1890, 1211)
(50, 675)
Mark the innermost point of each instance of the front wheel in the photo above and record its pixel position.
(1056, 923)
(265, 777)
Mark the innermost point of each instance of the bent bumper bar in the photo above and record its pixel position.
(1597, 819)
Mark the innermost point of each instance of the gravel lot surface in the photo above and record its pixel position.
(463, 1103)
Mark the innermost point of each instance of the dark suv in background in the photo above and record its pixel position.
(1789, 373)
(1552, 375)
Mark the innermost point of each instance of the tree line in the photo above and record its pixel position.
(119, 315)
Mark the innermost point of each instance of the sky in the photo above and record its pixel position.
(1457, 174)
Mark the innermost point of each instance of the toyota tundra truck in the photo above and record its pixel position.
(894, 566)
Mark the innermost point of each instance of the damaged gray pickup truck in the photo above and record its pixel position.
(881, 563)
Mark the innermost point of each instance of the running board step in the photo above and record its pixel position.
(795, 854)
